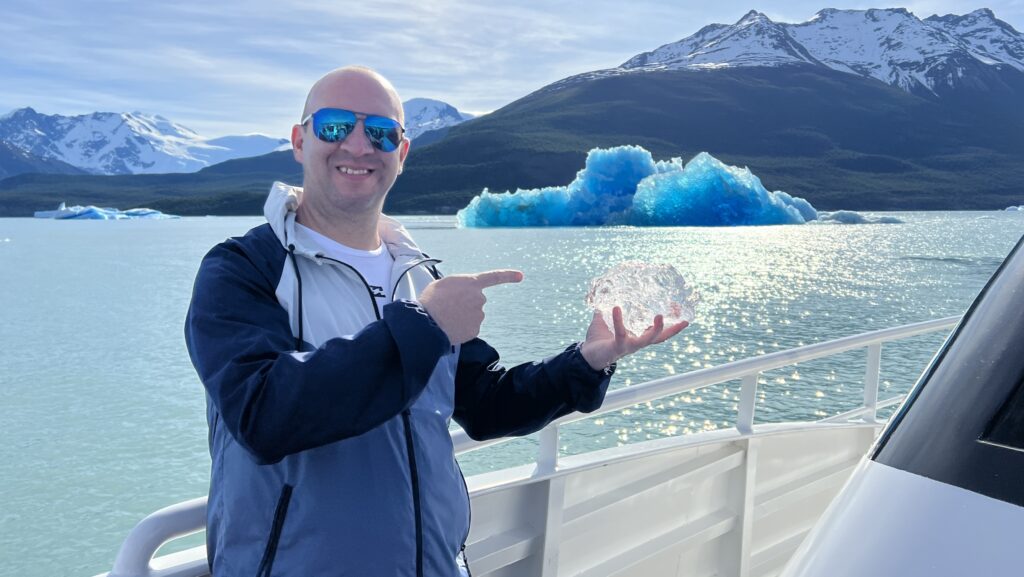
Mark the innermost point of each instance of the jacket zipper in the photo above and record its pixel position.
(415, 480)
(414, 477)
(469, 522)
(411, 448)
(267, 563)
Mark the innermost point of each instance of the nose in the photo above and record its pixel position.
(357, 143)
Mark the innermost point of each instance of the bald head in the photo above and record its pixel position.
(334, 85)
(345, 180)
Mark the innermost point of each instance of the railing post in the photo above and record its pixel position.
(547, 454)
(871, 381)
(741, 488)
(553, 519)
(748, 396)
(547, 462)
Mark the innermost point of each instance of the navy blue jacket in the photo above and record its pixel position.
(329, 417)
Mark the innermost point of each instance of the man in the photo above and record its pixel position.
(333, 358)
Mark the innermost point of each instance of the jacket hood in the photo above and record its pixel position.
(284, 200)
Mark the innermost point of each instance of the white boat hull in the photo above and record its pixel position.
(729, 504)
(934, 529)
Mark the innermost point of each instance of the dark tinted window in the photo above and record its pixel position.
(963, 424)
(1007, 428)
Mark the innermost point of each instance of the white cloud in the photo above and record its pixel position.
(245, 67)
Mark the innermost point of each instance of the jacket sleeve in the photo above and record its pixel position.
(276, 401)
(492, 401)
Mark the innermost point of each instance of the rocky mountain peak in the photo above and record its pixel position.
(426, 114)
(890, 45)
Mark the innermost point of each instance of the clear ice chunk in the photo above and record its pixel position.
(643, 290)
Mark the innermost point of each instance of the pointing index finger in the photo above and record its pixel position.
(496, 277)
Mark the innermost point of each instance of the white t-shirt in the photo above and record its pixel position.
(375, 265)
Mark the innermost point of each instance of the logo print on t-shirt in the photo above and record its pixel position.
(378, 291)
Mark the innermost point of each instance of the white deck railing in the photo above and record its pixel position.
(749, 371)
(135, 558)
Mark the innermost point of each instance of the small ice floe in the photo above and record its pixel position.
(852, 217)
(1015, 208)
(90, 212)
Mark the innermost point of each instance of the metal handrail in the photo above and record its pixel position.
(741, 369)
(167, 524)
(136, 553)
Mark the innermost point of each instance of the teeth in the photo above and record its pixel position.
(347, 170)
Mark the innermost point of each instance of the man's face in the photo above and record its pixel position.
(350, 176)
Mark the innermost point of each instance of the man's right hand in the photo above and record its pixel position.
(456, 302)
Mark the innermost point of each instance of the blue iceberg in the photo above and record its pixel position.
(90, 212)
(624, 185)
(602, 193)
(708, 192)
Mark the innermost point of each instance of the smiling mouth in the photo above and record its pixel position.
(354, 171)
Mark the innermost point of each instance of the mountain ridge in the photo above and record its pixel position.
(890, 45)
(124, 143)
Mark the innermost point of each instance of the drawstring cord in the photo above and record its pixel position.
(298, 279)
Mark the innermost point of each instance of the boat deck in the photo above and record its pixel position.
(736, 501)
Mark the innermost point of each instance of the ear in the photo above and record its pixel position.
(403, 151)
(297, 142)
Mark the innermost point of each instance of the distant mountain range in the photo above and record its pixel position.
(136, 143)
(859, 109)
(929, 56)
(122, 143)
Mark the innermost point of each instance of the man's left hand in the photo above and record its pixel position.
(603, 347)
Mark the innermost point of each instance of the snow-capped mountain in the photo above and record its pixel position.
(125, 143)
(753, 41)
(989, 37)
(890, 45)
(425, 114)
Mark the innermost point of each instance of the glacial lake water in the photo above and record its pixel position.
(103, 417)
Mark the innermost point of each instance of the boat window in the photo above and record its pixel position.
(1007, 428)
(963, 424)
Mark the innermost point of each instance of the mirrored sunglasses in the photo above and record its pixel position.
(335, 124)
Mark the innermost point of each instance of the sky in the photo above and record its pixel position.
(241, 67)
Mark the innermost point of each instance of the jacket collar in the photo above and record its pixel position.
(283, 201)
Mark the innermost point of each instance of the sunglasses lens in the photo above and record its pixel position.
(384, 133)
(333, 124)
